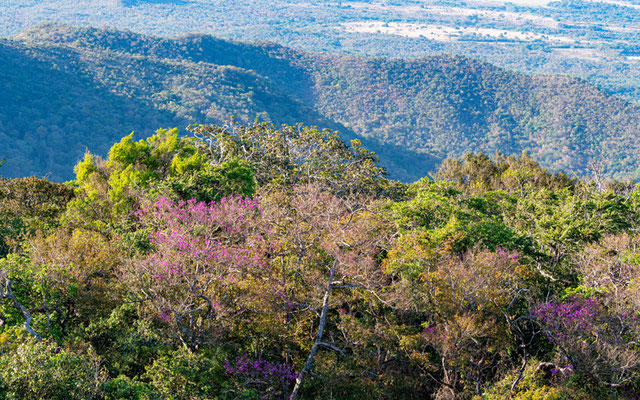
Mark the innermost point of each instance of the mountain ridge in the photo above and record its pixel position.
(431, 108)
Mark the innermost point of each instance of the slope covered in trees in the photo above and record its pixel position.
(60, 101)
(429, 108)
(252, 262)
(595, 40)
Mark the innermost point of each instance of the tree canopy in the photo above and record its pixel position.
(263, 262)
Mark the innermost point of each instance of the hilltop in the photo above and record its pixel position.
(596, 40)
(414, 112)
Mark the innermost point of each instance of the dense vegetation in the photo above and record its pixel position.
(413, 113)
(254, 262)
(594, 40)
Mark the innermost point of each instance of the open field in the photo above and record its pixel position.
(524, 3)
(619, 3)
(446, 33)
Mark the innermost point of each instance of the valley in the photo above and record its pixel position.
(594, 40)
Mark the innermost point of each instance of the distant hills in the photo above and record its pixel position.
(68, 89)
(594, 40)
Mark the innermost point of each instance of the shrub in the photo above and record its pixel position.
(43, 370)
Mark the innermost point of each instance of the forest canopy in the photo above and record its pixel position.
(262, 262)
(70, 89)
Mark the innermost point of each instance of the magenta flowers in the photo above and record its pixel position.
(202, 253)
(271, 379)
(575, 315)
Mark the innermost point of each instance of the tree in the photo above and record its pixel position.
(44, 370)
(471, 311)
(61, 281)
(28, 205)
(293, 155)
(477, 173)
(327, 245)
(560, 222)
(193, 280)
(162, 165)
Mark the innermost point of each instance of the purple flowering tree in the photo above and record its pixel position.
(591, 339)
(271, 380)
(599, 332)
(195, 279)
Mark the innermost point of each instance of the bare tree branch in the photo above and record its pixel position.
(7, 293)
(319, 342)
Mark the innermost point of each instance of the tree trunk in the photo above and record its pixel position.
(318, 343)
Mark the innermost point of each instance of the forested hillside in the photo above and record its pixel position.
(60, 101)
(596, 40)
(256, 263)
(429, 108)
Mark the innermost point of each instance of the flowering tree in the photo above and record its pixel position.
(216, 267)
(204, 254)
(591, 340)
(326, 248)
(596, 329)
(272, 380)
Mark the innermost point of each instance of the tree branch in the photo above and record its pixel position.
(319, 342)
(7, 293)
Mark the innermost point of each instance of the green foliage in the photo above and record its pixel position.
(125, 342)
(136, 164)
(212, 182)
(533, 385)
(29, 205)
(163, 164)
(125, 388)
(561, 221)
(46, 371)
(217, 266)
(414, 113)
(444, 220)
(184, 375)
